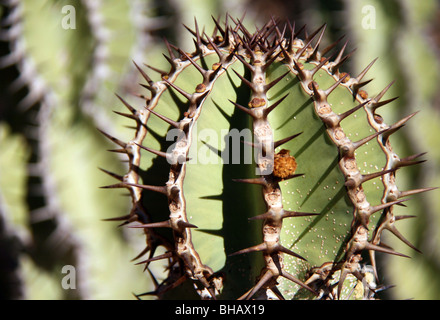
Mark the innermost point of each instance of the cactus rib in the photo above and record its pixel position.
(261, 53)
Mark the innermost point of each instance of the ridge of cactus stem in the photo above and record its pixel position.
(263, 48)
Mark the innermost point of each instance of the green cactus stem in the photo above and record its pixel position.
(319, 190)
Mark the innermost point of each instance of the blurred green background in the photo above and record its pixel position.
(61, 63)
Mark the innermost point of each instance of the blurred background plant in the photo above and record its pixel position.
(61, 63)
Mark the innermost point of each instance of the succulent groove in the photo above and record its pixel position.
(321, 188)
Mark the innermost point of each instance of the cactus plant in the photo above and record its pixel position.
(59, 89)
(320, 183)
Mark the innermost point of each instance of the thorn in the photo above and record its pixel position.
(369, 246)
(382, 206)
(396, 232)
(361, 142)
(247, 82)
(115, 186)
(167, 120)
(265, 278)
(159, 257)
(331, 46)
(245, 109)
(415, 191)
(195, 64)
(382, 93)
(127, 115)
(278, 143)
(247, 64)
(362, 74)
(376, 105)
(276, 104)
(162, 224)
(258, 247)
(182, 92)
(335, 85)
(117, 141)
(293, 279)
(289, 214)
(127, 217)
(170, 49)
(114, 175)
(144, 75)
(313, 56)
(159, 153)
(370, 176)
(274, 82)
(344, 115)
(260, 181)
(319, 66)
(129, 107)
(160, 189)
(301, 74)
(280, 248)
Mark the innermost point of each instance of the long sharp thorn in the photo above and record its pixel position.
(159, 153)
(376, 105)
(415, 191)
(142, 253)
(344, 115)
(290, 252)
(265, 278)
(319, 66)
(363, 72)
(160, 189)
(261, 216)
(115, 186)
(121, 218)
(159, 257)
(247, 82)
(336, 84)
(295, 280)
(361, 142)
(182, 92)
(144, 75)
(301, 73)
(217, 25)
(247, 64)
(127, 115)
(370, 176)
(258, 247)
(382, 206)
(167, 120)
(374, 247)
(382, 93)
(260, 181)
(195, 64)
(276, 104)
(289, 214)
(114, 175)
(318, 42)
(278, 143)
(247, 110)
(117, 141)
(396, 232)
(162, 224)
(274, 82)
(331, 46)
(126, 104)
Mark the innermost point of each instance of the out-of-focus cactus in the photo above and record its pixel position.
(62, 62)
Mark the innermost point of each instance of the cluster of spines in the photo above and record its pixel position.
(230, 46)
